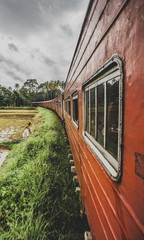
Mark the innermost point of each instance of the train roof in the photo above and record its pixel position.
(81, 32)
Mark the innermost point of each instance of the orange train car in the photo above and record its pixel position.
(104, 117)
(56, 105)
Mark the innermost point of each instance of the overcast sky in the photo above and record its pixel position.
(38, 38)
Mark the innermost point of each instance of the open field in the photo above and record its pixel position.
(13, 123)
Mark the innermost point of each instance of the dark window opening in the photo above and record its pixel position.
(75, 108)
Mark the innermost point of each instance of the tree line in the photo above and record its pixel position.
(30, 92)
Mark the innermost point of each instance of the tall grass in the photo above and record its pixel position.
(37, 194)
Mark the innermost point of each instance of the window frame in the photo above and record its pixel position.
(105, 73)
(75, 96)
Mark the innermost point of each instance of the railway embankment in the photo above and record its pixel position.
(38, 198)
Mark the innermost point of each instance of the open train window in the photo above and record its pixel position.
(75, 107)
(103, 115)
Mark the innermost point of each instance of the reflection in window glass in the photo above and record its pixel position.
(87, 111)
(100, 114)
(112, 117)
(92, 111)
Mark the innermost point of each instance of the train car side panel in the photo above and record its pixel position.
(116, 206)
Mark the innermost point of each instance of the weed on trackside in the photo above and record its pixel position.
(37, 194)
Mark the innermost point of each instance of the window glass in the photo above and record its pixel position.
(75, 108)
(87, 111)
(92, 111)
(100, 114)
(66, 106)
(69, 108)
(112, 117)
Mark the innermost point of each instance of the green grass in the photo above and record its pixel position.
(37, 195)
(8, 144)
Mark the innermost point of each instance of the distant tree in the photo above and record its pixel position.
(43, 91)
(50, 89)
(16, 86)
(5, 97)
(46, 85)
(25, 98)
(15, 96)
(31, 85)
(30, 92)
(1, 96)
(10, 88)
(55, 87)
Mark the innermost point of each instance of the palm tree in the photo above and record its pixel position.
(16, 86)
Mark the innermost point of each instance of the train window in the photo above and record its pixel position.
(87, 111)
(66, 105)
(100, 114)
(112, 117)
(103, 115)
(69, 107)
(75, 107)
(92, 111)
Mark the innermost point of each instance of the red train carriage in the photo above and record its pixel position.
(56, 104)
(104, 115)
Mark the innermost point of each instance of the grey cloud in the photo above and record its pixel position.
(48, 61)
(41, 28)
(13, 65)
(58, 7)
(57, 73)
(14, 76)
(13, 47)
(32, 56)
(66, 29)
(23, 17)
(20, 16)
(64, 61)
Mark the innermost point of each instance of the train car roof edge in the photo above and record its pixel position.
(81, 32)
